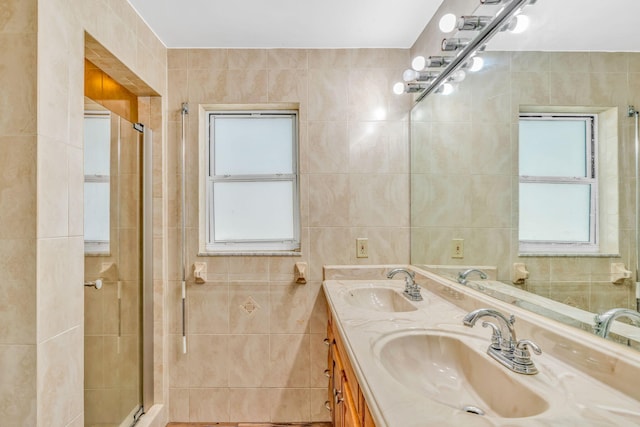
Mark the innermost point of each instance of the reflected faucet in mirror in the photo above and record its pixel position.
(462, 276)
(604, 321)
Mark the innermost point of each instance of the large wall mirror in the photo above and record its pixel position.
(479, 184)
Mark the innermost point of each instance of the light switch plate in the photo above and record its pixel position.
(362, 247)
(457, 248)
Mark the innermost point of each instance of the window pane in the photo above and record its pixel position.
(555, 212)
(96, 211)
(553, 148)
(97, 140)
(253, 210)
(252, 145)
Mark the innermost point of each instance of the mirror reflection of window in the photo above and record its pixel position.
(558, 183)
(97, 163)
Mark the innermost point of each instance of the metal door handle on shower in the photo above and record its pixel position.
(97, 284)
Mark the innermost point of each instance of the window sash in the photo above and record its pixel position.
(214, 244)
(560, 246)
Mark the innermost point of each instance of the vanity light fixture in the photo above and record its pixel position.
(457, 76)
(473, 23)
(419, 63)
(475, 64)
(411, 75)
(465, 49)
(518, 25)
(445, 89)
(437, 61)
(449, 45)
(400, 88)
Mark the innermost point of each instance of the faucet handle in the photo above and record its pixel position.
(496, 336)
(598, 324)
(521, 353)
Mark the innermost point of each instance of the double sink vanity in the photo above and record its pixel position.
(457, 358)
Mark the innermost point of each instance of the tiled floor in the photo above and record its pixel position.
(248, 425)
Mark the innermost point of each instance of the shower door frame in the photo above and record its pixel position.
(146, 312)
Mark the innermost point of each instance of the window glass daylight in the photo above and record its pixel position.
(97, 165)
(558, 190)
(252, 181)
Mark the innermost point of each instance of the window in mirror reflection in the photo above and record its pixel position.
(97, 143)
(558, 190)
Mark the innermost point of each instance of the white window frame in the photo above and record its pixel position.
(252, 246)
(570, 247)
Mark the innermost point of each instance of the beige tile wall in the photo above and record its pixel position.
(267, 364)
(465, 178)
(41, 243)
(18, 142)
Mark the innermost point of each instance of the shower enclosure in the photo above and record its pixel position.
(118, 364)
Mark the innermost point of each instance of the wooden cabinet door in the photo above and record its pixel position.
(343, 406)
(368, 419)
(350, 415)
(337, 414)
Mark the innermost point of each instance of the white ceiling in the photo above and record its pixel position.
(287, 23)
(565, 25)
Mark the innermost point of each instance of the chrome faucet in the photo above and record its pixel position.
(411, 289)
(462, 276)
(604, 320)
(504, 347)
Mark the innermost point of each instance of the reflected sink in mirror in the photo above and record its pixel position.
(444, 368)
(378, 299)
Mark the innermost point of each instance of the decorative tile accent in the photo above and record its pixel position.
(250, 306)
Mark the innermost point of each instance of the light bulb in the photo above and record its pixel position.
(521, 24)
(409, 75)
(457, 76)
(448, 23)
(418, 63)
(476, 64)
(398, 88)
(445, 89)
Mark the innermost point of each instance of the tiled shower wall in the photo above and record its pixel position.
(255, 338)
(465, 165)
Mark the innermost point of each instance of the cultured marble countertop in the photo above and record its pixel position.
(574, 398)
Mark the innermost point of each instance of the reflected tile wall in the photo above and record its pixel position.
(255, 350)
(465, 168)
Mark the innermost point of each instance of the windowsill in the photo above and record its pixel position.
(567, 255)
(252, 253)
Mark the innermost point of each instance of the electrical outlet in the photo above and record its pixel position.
(457, 248)
(362, 247)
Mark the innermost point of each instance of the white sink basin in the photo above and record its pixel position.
(378, 299)
(442, 367)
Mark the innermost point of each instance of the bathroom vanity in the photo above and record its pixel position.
(400, 363)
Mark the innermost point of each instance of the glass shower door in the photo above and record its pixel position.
(113, 256)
